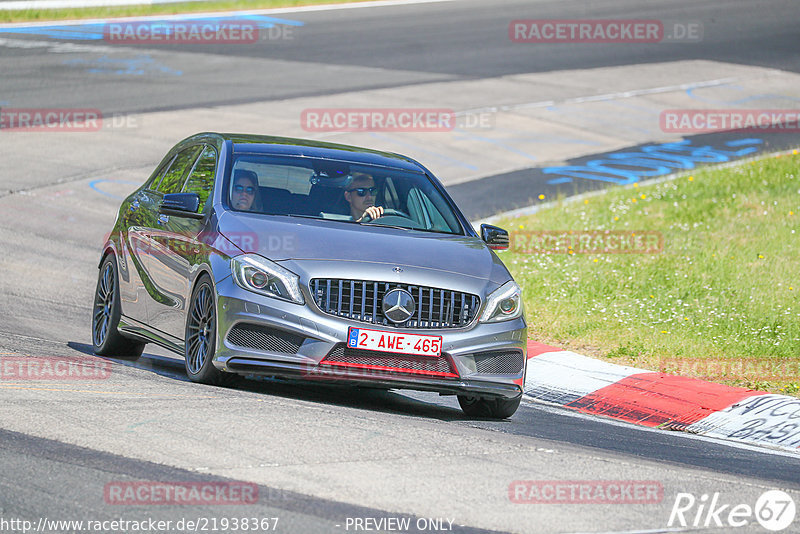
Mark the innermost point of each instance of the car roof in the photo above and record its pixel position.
(288, 146)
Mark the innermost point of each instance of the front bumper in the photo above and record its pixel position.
(313, 336)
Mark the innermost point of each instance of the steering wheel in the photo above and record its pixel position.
(386, 213)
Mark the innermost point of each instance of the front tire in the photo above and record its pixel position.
(201, 335)
(496, 408)
(106, 312)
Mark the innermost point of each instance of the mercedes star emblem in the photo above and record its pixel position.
(398, 305)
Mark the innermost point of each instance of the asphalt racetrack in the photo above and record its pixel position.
(535, 119)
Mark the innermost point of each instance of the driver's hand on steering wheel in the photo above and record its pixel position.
(373, 212)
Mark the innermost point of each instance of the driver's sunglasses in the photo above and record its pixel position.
(362, 191)
(250, 190)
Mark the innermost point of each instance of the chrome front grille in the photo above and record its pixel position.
(361, 300)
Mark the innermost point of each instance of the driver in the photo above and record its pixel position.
(360, 195)
(244, 193)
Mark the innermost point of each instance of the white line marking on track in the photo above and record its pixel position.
(654, 531)
(603, 98)
(199, 15)
(560, 410)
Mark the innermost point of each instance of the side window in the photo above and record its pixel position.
(159, 174)
(390, 196)
(173, 179)
(201, 180)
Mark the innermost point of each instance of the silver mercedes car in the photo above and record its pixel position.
(253, 255)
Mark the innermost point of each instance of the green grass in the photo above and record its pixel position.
(725, 289)
(157, 9)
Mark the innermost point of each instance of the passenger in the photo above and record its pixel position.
(244, 194)
(360, 195)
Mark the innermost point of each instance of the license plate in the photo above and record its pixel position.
(383, 341)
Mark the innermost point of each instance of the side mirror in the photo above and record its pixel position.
(181, 205)
(495, 237)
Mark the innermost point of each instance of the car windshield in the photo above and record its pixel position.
(339, 191)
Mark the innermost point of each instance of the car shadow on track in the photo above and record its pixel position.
(416, 404)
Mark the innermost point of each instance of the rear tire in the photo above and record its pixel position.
(496, 408)
(106, 312)
(201, 335)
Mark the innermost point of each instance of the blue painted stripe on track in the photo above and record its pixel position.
(93, 185)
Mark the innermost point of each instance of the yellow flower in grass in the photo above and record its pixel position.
(616, 218)
(643, 196)
(691, 178)
(541, 197)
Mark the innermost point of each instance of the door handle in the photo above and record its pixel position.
(162, 219)
(134, 205)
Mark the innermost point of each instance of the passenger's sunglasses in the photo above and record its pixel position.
(362, 191)
(250, 190)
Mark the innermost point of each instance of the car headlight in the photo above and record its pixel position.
(503, 304)
(260, 275)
